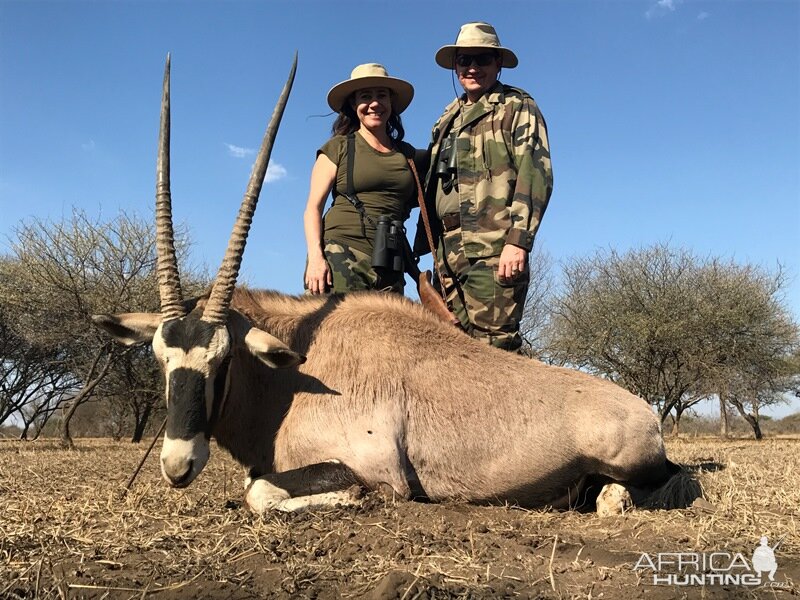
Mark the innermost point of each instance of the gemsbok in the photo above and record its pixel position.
(317, 395)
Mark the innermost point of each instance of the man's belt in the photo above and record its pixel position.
(451, 221)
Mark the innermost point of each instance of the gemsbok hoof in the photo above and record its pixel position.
(613, 500)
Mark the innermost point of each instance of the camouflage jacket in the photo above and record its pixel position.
(504, 173)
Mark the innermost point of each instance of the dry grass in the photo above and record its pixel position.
(67, 532)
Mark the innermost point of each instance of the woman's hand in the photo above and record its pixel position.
(318, 275)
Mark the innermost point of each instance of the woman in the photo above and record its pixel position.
(340, 246)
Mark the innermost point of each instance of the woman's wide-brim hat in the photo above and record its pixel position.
(475, 35)
(368, 76)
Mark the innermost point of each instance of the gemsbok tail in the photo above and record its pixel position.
(680, 490)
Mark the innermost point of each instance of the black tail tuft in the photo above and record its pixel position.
(680, 490)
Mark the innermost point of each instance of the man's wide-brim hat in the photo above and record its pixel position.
(471, 36)
(371, 75)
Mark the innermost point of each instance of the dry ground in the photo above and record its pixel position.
(66, 532)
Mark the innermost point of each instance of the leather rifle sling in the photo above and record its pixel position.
(423, 211)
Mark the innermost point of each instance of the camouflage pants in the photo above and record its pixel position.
(351, 271)
(489, 308)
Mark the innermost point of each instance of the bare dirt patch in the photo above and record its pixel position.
(66, 532)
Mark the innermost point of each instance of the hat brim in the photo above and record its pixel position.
(403, 91)
(446, 55)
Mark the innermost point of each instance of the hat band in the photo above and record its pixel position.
(476, 44)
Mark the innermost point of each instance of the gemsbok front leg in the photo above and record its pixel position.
(314, 486)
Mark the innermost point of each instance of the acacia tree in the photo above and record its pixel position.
(31, 376)
(537, 303)
(673, 328)
(134, 392)
(629, 317)
(62, 273)
(752, 339)
(681, 406)
(37, 408)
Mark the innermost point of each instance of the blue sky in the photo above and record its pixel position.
(669, 120)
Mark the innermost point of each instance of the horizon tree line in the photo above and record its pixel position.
(670, 326)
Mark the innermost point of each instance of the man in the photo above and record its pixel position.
(488, 185)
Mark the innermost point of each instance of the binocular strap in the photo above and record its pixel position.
(350, 191)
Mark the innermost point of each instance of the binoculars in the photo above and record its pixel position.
(447, 165)
(388, 250)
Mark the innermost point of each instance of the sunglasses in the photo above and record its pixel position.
(482, 60)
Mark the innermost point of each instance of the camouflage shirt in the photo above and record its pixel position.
(504, 176)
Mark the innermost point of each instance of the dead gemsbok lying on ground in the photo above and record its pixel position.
(316, 394)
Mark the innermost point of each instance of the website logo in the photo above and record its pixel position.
(712, 568)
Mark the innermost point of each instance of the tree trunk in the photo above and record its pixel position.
(141, 424)
(755, 425)
(676, 421)
(724, 427)
(85, 393)
(752, 419)
(40, 423)
(666, 408)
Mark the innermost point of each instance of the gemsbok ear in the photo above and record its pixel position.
(270, 350)
(129, 328)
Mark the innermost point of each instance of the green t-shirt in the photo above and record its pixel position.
(382, 181)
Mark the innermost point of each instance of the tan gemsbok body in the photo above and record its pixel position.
(315, 394)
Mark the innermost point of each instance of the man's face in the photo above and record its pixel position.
(477, 70)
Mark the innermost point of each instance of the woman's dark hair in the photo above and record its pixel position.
(347, 122)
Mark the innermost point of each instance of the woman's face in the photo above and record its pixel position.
(373, 107)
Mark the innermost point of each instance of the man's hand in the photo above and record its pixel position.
(513, 261)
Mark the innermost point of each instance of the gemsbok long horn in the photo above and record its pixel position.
(216, 310)
(169, 282)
